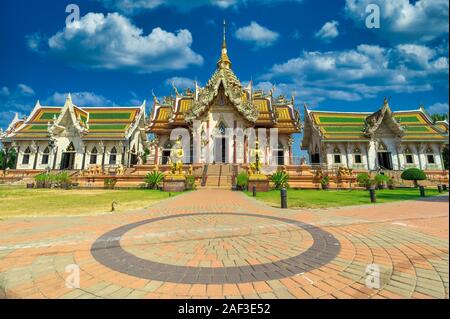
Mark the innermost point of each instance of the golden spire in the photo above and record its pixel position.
(224, 61)
(224, 43)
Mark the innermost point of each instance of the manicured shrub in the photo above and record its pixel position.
(153, 179)
(190, 182)
(280, 180)
(414, 174)
(242, 181)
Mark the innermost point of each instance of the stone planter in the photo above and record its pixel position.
(174, 183)
(262, 185)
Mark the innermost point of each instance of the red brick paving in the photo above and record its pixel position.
(407, 240)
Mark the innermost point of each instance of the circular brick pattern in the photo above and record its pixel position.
(216, 241)
(108, 251)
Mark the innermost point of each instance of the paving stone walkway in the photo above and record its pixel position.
(222, 244)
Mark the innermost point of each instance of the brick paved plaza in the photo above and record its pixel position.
(222, 244)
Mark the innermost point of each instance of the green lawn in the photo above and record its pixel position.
(20, 202)
(331, 198)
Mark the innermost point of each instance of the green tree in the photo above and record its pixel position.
(439, 117)
(11, 159)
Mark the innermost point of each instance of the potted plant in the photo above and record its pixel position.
(382, 181)
(415, 175)
(190, 182)
(391, 184)
(280, 180)
(63, 180)
(109, 183)
(153, 179)
(325, 182)
(242, 181)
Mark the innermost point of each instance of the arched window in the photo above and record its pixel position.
(430, 156)
(113, 156)
(93, 157)
(409, 158)
(221, 129)
(337, 155)
(45, 156)
(26, 156)
(166, 153)
(70, 148)
(357, 155)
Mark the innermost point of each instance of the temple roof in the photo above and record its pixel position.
(259, 109)
(413, 125)
(91, 122)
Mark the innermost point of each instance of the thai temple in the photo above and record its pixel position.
(224, 103)
(384, 140)
(100, 141)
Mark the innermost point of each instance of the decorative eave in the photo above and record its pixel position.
(233, 91)
(373, 121)
(68, 108)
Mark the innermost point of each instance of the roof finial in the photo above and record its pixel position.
(224, 44)
(224, 61)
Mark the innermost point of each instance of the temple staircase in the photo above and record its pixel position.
(217, 176)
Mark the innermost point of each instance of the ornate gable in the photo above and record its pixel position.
(384, 115)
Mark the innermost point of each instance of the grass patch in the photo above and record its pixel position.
(331, 198)
(22, 202)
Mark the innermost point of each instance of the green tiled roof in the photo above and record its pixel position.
(350, 126)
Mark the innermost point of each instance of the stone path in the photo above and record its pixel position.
(222, 244)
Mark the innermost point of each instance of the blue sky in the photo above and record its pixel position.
(321, 51)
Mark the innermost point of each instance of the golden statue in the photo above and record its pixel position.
(176, 158)
(255, 168)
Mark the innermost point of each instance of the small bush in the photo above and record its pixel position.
(414, 174)
(325, 181)
(242, 181)
(190, 182)
(280, 180)
(109, 183)
(363, 179)
(153, 179)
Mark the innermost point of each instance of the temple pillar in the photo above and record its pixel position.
(156, 154)
(83, 164)
(234, 142)
(36, 155)
(55, 156)
(17, 157)
(245, 149)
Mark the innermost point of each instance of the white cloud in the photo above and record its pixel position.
(79, 98)
(25, 89)
(439, 108)
(329, 31)
(363, 72)
(404, 20)
(135, 6)
(257, 34)
(112, 42)
(180, 82)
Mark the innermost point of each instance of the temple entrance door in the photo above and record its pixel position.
(133, 159)
(67, 161)
(315, 158)
(219, 150)
(384, 160)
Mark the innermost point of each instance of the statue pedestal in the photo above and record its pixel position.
(260, 181)
(174, 183)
